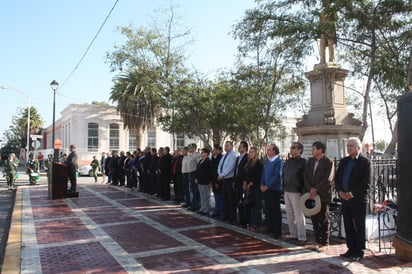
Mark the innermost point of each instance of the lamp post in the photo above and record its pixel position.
(54, 85)
(28, 117)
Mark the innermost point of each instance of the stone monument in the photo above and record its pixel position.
(328, 119)
(403, 239)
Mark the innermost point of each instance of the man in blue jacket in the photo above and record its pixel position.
(271, 186)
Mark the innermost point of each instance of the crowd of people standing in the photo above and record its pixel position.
(247, 187)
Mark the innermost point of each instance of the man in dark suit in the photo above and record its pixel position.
(72, 166)
(165, 169)
(318, 177)
(121, 174)
(239, 179)
(352, 183)
(114, 168)
(216, 185)
(107, 168)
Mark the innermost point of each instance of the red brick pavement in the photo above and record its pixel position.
(113, 230)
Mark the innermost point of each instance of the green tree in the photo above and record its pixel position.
(151, 63)
(136, 100)
(377, 47)
(379, 145)
(16, 135)
(371, 36)
(270, 58)
(195, 109)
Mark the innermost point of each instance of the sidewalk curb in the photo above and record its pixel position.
(12, 255)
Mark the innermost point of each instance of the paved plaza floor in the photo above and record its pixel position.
(111, 229)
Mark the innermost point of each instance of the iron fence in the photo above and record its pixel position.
(383, 182)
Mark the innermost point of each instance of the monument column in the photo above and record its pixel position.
(403, 239)
(328, 119)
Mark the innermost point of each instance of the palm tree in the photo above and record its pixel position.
(138, 99)
(36, 123)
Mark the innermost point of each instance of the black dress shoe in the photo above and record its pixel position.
(347, 254)
(357, 257)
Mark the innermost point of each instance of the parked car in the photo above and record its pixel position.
(86, 170)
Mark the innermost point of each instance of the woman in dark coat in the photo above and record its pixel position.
(253, 172)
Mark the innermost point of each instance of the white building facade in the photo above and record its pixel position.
(94, 129)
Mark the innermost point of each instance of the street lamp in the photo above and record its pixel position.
(28, 117)
(54, 85)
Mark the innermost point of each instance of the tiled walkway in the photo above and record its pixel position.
(112, 230)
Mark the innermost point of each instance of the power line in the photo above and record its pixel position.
(90, 45)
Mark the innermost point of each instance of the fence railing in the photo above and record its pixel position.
(383, 182)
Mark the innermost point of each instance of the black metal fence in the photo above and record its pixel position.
(383, 187)
(383, 182)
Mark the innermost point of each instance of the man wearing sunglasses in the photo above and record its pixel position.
(293, 186)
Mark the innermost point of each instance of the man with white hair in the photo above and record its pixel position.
(352, 183)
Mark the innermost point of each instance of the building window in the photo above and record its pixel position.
(132, 139)
(151, 137)
(180, 140)
(114, 137)
(93, 137)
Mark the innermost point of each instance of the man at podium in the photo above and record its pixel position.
(72, 167)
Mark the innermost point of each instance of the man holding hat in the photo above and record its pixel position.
(318, 177)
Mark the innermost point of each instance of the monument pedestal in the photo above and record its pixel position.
(403, 248)
(403, 239)
(333, 136)
(328, 120)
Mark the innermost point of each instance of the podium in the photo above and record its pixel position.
(58, 181)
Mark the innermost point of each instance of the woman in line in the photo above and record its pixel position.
(253, 173)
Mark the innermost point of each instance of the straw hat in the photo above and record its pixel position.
(308, 206)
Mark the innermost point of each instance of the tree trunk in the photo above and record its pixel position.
(366, 97)
(390, 149)
(216, 137)
(139, 138)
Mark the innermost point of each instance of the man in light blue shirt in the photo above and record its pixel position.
(225, 173)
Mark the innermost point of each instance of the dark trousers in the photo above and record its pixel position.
(219, 211)
(256, 209)
(122, 178)
(164, 192)
(153, 183)
(242, 213)
(178, 188)
(321, 224)
(229, 200)
(354, 214)
(194, 192)
(273, 214)
(147, 182)
(128, 179)
(115, 177)
(185, 185)
(73, 180)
